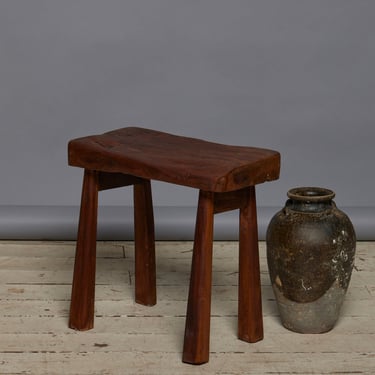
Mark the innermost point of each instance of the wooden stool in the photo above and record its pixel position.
(226, 177)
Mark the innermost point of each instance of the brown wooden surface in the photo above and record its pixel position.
(144, 236)
(180, 160)
(115, 180)
(231, 200)
(226, 176)
(197, 329)
(250, 318)
(83, 288)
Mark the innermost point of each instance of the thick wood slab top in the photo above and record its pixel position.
(180, 160)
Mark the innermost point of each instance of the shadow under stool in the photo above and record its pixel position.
(225, 176)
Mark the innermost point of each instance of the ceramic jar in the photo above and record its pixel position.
(310, 254)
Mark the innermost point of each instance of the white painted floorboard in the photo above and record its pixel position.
(35, 282)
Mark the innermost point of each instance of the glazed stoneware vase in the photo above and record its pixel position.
(310, 254)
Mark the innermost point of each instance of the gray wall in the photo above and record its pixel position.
(296, 76)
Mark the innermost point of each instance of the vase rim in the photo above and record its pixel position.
(311, 194)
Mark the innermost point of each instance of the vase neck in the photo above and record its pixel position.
(310, 199)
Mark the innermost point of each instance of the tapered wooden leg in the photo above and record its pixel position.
(145, 273)
(250, 321)
(197, 330)
(83, 288)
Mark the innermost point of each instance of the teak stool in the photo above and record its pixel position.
(226, 177)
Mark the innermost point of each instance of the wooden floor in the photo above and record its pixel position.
(128, 338)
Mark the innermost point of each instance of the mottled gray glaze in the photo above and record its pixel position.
(310, 254)
(311, 317)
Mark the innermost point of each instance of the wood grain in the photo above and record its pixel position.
(132, 339)
(145, 272)
(226, 176)
(198, 315)
(83, 287)
(170, 158)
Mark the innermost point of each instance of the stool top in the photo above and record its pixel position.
(170, 158)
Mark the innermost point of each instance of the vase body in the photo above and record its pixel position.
(310, 255)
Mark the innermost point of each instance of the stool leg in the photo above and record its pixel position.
(250, 321)
(197, 330)
(83, 287)
(144, 238)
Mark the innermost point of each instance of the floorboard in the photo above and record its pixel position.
(35, 282)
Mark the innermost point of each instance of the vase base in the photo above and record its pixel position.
(318, 316)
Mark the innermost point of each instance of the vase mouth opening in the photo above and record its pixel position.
(311, 194)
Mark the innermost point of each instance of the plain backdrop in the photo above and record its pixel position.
(296, 76)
